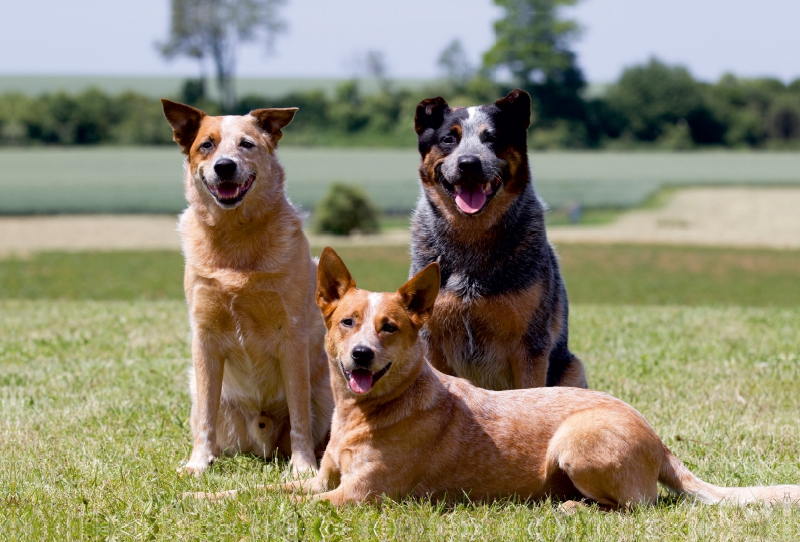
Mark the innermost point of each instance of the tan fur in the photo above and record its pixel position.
(259, 380)
(419, 432)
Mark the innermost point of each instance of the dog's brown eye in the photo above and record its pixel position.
(488, 137)
(246, 145)
(347, 322)
(206, 145)
(448, 140)
(389, 327)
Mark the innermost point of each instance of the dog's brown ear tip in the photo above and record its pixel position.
(434, 268)
(328, 253)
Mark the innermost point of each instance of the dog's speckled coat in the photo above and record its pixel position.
(501, 319)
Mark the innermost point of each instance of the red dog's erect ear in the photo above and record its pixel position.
(430, 114)
(185, 121)
(419, 293)
(333, 281)
(272, 120)
(518, 104)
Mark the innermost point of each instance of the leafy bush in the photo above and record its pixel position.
(346, 209)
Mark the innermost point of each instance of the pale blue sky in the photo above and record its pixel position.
(103, 37)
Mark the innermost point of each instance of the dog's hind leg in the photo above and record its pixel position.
(231, 429)
(611, 456)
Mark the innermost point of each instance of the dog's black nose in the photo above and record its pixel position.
(469, 163)
(362, 355)
(225, 168)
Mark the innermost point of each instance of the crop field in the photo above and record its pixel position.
(149, 180)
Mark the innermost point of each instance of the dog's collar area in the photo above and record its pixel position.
(230, 193)
(361, 381)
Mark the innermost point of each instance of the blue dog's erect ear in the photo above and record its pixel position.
(185, 121)
(517, 104)
(430, 114)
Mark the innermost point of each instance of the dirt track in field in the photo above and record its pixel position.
(743, 217)
(739, 217)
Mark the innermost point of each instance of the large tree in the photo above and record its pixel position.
(214, 28)
(533, 44)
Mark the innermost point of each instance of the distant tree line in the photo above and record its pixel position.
(651, 106)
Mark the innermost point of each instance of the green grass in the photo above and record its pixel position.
(93, 275)
(665, 275)
(599, 274)
(94, 406)
(149, 180)
(156, 275)
(94, 423)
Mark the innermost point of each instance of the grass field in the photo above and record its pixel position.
(95, 412)
(111, 179)
(94, 405)
(595, 274)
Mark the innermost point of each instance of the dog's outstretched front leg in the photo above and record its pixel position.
(208, 371)
(297, 383)
(346, 494)
(317, 484)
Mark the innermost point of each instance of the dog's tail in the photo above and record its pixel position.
(679, 479)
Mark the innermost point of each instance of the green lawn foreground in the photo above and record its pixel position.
(95, 422)
(94, 407)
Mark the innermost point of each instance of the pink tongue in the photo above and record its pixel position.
(360, 380)
(227, 189)
(471, 202)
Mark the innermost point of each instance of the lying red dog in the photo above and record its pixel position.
(402, 428)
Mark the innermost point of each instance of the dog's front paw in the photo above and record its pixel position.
(303, 464)
(198, 463)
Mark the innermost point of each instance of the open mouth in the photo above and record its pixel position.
(362, 380)
(471, 197)
(230, 192)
